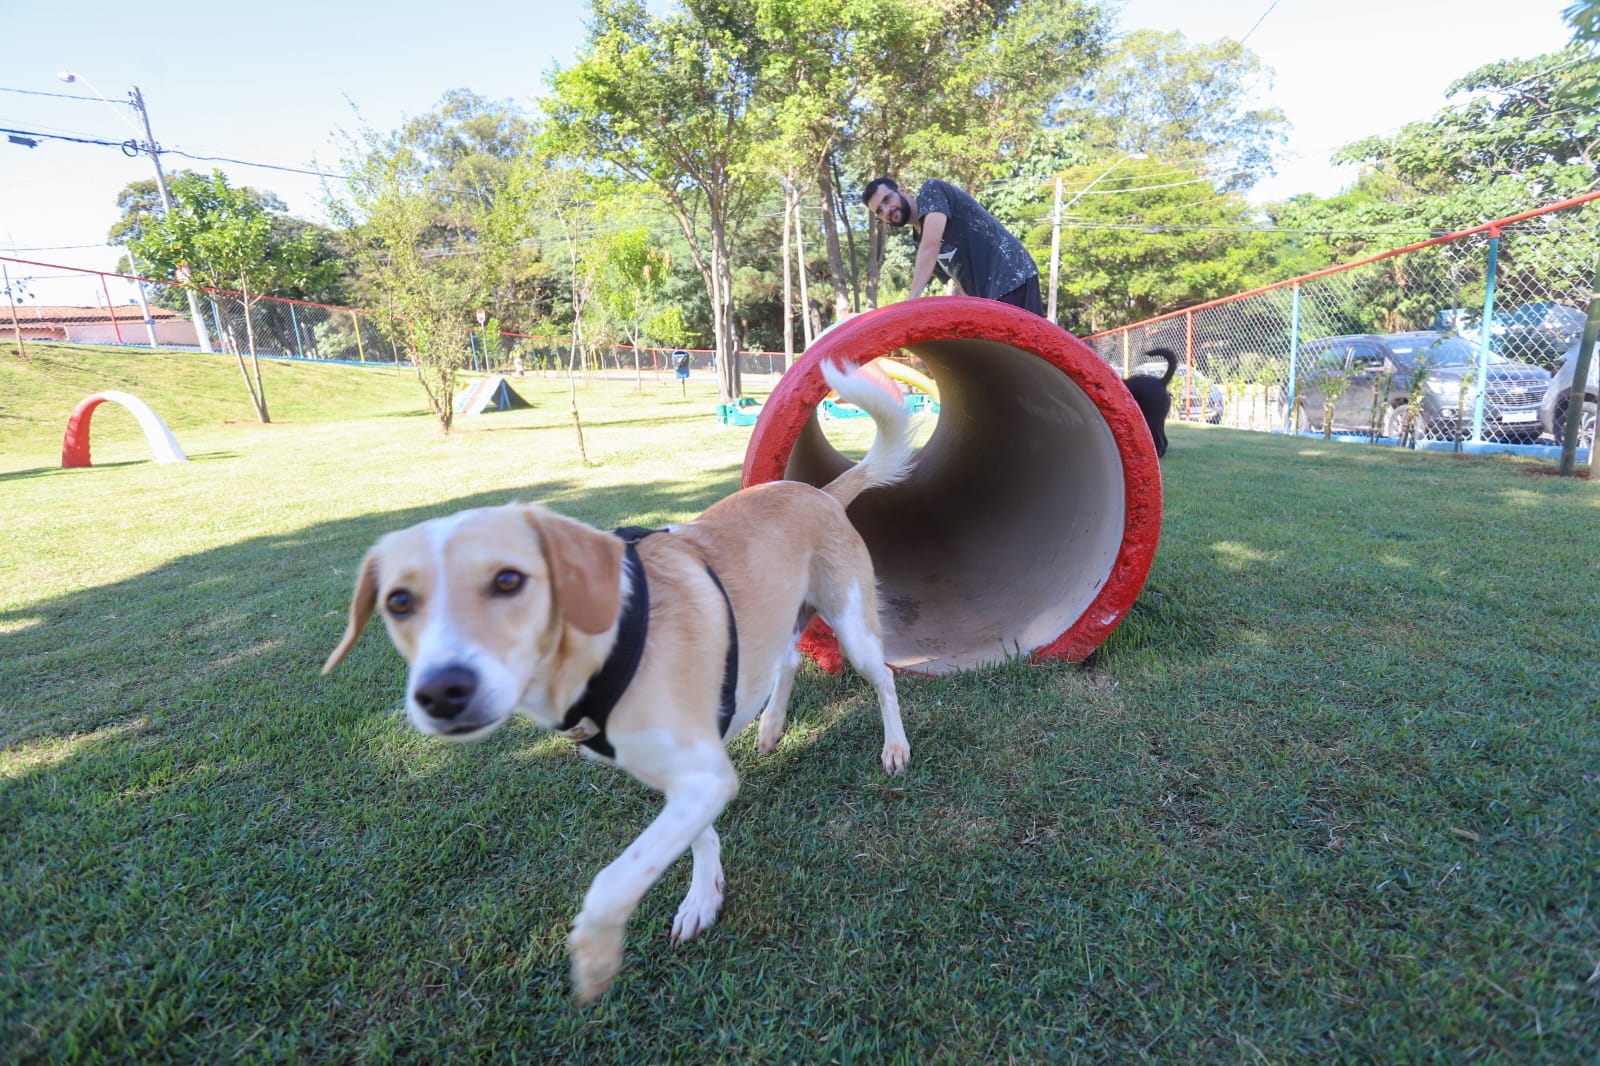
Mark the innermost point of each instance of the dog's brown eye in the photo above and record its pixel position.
(399, 603)
(507, 581)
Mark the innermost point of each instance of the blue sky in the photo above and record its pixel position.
(270, 85)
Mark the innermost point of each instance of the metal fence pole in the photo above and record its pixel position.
(112, 308)
(1294, 354)
(144, 301)
(1485, 336)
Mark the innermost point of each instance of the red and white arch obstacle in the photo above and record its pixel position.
(1031, 517)
(75, 445)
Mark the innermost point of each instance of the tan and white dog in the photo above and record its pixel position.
(651, 649)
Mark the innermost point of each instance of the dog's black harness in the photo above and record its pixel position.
(585, 721)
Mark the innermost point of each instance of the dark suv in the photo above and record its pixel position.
(1370, 377)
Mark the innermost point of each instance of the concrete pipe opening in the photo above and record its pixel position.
(1032, 513)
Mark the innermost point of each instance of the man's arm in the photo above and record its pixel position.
(927, 251)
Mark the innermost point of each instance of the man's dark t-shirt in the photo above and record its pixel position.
(976, 250)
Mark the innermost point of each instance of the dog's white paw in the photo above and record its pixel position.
(896, 757)
(697, 912)
(596, 951)
(772, 726)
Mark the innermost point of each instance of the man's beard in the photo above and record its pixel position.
(902, 214)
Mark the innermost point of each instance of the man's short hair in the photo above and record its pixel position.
(874, 185)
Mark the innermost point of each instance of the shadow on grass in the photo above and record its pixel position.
(171, 760)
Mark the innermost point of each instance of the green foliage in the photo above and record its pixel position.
(1182, 103)
(438, 213)
(294, 259)
(633, 274)
(1149, 238)
(1515, 135)
(668, 102)
(666, 327)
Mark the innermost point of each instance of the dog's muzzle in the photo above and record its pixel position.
(445, 697)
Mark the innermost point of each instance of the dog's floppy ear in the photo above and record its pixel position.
(585, 569)
(362, 602)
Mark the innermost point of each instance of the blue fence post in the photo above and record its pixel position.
(299, 342)
(472, 345)
(1294, 352)
(1485, 335)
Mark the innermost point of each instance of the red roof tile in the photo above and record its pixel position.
(63, 313)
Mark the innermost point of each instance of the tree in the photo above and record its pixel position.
(217, 237)
(632, 275)
(667, 101)
(1150, 238)
(440, 229)
(301, 260)
(1182, 103)
(962, 90)
(1515, 134)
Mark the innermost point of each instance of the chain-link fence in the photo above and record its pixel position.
(1465, 340)
(97, 307)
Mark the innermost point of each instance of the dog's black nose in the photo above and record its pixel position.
(446, 692)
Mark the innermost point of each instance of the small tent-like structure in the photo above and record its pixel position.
(490, 394)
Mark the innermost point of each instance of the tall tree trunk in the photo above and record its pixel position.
(260, 392)
(244, 371)
(843, 202)
(830, 236)
(875, 250)
(788, 278)
(722, 312)
(800, 257)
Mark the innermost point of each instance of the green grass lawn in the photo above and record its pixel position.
(1331, 792)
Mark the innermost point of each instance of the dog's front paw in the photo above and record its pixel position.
(697, 911)
(596, 951)
(772, 725)
(896, 756)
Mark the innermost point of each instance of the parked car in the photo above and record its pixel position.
(1370, 377)
(1553, 408)
(1186, 402)
(1538, 332)
(1462, 320)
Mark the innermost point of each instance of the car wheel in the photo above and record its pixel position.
(1586, 424)
(1394, 422)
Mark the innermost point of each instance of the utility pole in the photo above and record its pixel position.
(136, 101)
(166, 202)
(1055, 239)
(1055, 250)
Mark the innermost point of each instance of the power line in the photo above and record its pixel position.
(63, 137)
(260, 166)
(58, 96)
(1259, 21)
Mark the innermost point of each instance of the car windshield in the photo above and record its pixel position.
(1546, 314)
(1437, 351)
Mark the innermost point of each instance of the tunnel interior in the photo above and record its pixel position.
(1011, 520)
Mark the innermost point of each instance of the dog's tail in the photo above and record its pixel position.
(889, 458)
(1172, 362)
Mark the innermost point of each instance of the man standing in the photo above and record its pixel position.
(956, 238)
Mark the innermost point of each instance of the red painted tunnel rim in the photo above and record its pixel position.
(867, 336)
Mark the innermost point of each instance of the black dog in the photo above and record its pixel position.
(1150, 393)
